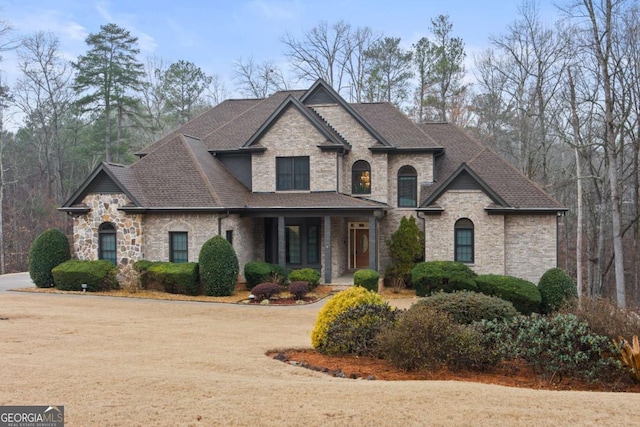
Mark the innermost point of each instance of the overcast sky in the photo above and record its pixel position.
(214, 33)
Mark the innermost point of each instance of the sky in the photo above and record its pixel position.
(213, 34)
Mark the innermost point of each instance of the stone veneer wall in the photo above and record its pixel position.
(104, 208)
(530, 242)
(200, 228)
(489, 231)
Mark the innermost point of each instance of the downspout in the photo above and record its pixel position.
(423, 217)
(220, 218)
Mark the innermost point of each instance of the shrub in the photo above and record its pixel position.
(427, 339)
(175, 278)
(448, 276)
(366, 278)
(48, 250)
(604, 317)
(265, 290)
(218, 267)
(97, 275)
(556, 347)
(468, 307)
(354, 330)
(256, 272)
(524, 295)
(352, 297)
(299, 289)
(555, 288)
(406, 248)
(309, 275)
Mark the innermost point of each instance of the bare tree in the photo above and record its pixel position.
(320, 53)
(258, 80)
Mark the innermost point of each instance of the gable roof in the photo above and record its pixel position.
(290, 102)
(511, 190)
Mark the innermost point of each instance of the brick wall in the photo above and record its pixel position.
(530, 245)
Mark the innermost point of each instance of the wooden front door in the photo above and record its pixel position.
(359, 248)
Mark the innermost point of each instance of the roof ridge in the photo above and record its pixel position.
(199, 169)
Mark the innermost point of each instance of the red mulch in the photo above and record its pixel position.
(512, 374)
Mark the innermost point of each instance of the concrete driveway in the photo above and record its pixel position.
(15, 280)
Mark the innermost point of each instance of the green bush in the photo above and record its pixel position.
(557, 347)
(218, 267)
(448, 276)
(351, 297)
(256, 272)
(354, 330)
(309, 275)
(175, 278)
(556, 287)
(406, 248)
(366, 278)
(524, 295)
(427, 339)
(468, 307)
(98, 275)
(50, 249)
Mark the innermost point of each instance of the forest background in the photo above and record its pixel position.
(558, 99)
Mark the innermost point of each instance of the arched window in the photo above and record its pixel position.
(361, 177)
(107, 242)
(407, 187)
(464, 240)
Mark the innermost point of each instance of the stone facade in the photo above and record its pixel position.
(129, 229)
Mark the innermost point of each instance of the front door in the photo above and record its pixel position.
(358, 245)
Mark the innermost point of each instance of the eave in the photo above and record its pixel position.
(407, 150)
(524, 211)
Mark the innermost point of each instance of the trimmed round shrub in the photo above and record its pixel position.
(427, 339)
(355, 329)
(218, 267)
(256, 272)
(468, 307)
(49, 249)
(366, 278)
(99, 275)
(309, 275)
(352, 297)
(555, 346)
(523, 294)
(299, 289)
(556, 287)
(448, 276)
(264, 291)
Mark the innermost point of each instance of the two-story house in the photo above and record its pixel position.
(304, 179)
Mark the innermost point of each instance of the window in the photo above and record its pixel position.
(361, 178)
(464, 241)
(178, 246)
(229, 235)
(292, 173)
(293, 244)
(407, 187)
(313, 245)
(107, 242)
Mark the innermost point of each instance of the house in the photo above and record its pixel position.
(304, 179)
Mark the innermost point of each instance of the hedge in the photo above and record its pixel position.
(524, 295)
(50, 249)
(98, 275)
(256, 272)
(448, 276)
(366, 278)
(175, 278)
(309, 275)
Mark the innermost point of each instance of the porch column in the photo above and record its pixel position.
(282, 255)
(373, 243)
(327, 249)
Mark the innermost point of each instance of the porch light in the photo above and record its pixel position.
(84, 287)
